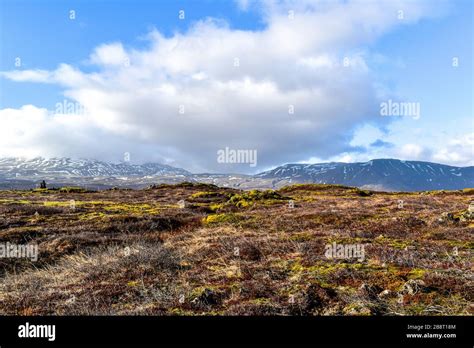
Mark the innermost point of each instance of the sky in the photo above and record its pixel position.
(176, 82)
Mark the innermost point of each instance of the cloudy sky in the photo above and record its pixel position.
(176, 81)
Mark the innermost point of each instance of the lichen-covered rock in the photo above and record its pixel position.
(357, 308)
(471, 207)
(413, 286)
(369, 291)
(207, 297)
(385, 294)
(460, 216)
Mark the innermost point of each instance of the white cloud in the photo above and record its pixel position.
(457, 151)
(411, 152)
(110, 54)
(28, 75)
(297, 62)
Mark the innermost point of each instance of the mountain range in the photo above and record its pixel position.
(378, 174)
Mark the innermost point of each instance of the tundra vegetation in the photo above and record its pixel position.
(232, 252)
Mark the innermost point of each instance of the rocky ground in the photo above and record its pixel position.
(193, 249)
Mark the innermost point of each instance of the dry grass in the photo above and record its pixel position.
(233, 253)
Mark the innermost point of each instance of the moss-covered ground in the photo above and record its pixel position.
(194, 249)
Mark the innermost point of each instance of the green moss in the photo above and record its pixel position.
(15, 201)
(56, 204)
(216, 207)
(301, 237)
(221, 218)
(72, 189)
(357, 309)
(244, 204)
(192, 184)
(67, 203)
(460, 244)
(435, 192)
(201, 290)
(94, 203)
(394, 243)
(28, 229)
(92, 216)
(416, 273)
(133, 209)
(250, 198)
(325, 269)
(416, 309)
(180, 311)
(399, 244)
(43, 190)
(261, 301)
(204, 195)
(184, 184)
(313, 187)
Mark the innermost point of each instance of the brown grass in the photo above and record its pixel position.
(128, 252)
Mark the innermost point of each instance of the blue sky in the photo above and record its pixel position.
(405, 60)
(41, 33)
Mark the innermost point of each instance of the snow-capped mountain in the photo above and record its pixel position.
(66, 167)
(382, 174)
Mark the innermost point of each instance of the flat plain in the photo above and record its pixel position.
(199, 249)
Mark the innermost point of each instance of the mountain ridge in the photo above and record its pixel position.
(83, 167)
(384, 174)
(392, 174)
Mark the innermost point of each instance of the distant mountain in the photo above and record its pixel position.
(16, 168)
(379, 174)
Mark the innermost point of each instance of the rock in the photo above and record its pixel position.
(471, 207)
(385, 294)
(318, 297)
(370, 291)
(466, 215)
(208, 297)
(446, 217)
(357, 308)
(461, 216)
(412, 286)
